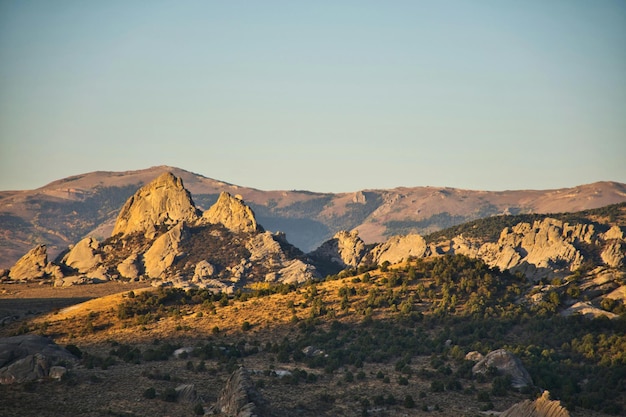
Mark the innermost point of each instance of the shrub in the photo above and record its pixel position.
(150, 393)
(169, 395)
(409, 402)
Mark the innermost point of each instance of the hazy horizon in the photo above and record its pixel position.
(325, 96)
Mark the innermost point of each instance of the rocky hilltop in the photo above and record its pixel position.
(160, 235)
(70, 209)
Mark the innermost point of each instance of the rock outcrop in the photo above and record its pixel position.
(29, 358)
(32, 265)
(164, 201)
(399, 248)
(540, 249)
(541, 407)
(84, 255)
(614, 255)
(238, 398)
(232, 213)
(507, 364)
(130, 267)
(345, 249)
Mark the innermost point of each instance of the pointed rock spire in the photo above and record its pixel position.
(232, 213)
(163, 201)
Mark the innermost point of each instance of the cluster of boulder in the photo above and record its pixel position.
(153, 239)
(546, 248)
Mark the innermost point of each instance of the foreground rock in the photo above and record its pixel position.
(506, 363)
(29, 358)
(541, 407)
(238, 398)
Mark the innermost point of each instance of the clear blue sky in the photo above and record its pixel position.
(320, 95)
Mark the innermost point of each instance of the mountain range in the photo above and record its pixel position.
(65, 211)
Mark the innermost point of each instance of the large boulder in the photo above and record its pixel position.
(164, 201)
(506, 363)
(130, 267)
(233, 213)
(345, 249)
(294, 271)
(238, 398)
(540, 249)
(29, 357)
(32, 265)
(398, 248)
(84, 256)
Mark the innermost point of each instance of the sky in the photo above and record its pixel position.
(327, 96)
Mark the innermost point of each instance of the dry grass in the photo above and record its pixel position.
(93, 325)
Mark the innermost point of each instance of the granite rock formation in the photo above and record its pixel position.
(83, 256)
(541, 407)
(164, 201)
(238, 398)
(345, 249)
(398, 248)
(507, 364)
(32, 265)
(232, 213)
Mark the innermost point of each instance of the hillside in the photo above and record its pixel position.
(389, 341)
(63, 212)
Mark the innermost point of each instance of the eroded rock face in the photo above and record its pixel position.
(84, 255)
(163, 251)
(28, 358)
(293, 272)
(238, 398)
(507, 364)
(232, 213)
(541, 407)
(164, 201)
(538, 249)
(615, 232)
(32, 265)
(346, 249)
(399, 248)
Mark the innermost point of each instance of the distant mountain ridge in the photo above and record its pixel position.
(64, 211)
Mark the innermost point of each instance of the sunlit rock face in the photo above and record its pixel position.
(32, 265)
(232, 213)
(164, 201)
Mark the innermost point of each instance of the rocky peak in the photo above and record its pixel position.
(233, 213)
(164, 201)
